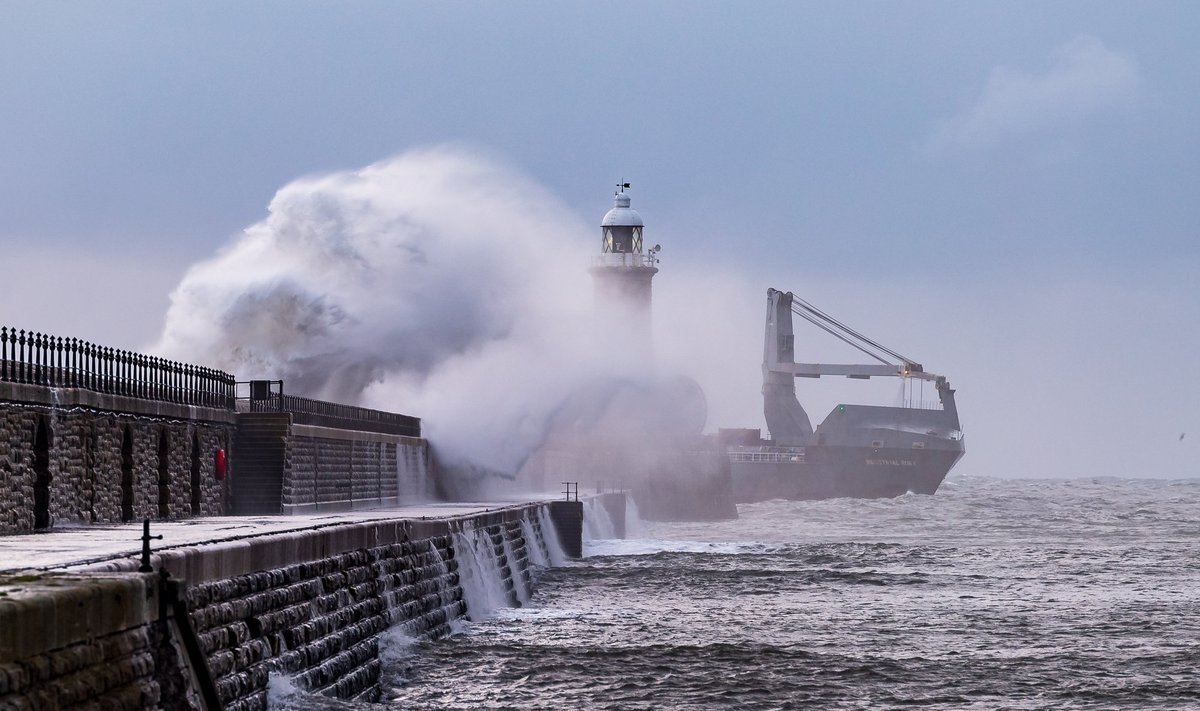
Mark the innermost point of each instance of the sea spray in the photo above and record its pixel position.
(554, 551)
(410, 280)
(479, 573)
(282, 691)
(395, 645)
(533, 545)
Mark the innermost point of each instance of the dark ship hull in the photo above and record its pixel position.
(828, 472)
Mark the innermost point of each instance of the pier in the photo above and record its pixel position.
(230, 601)
(172, 538)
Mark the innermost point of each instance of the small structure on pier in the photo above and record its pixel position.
(93, 434)
(299, 455)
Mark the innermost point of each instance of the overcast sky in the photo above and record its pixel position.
(1005, 191)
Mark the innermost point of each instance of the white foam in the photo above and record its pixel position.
(645, 546)
(282, 691)
(395, 645)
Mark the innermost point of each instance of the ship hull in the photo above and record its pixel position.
(837, 472)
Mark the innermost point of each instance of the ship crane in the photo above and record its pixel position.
(892, 364)
(786, 419)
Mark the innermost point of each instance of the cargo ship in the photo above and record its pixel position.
(859, 451)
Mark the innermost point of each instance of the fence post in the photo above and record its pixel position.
(71, 363)
(21, 358)
(109, 369)
(36, 357)
(45, 359)
(58, 361)
(93, 366)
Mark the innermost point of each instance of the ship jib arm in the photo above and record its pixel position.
(816, 370)
(780, 344)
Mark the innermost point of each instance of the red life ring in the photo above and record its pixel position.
(220, 465)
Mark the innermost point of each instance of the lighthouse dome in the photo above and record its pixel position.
(622, 215)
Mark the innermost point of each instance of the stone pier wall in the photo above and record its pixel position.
(69, 641)
(331, 470)
(74, 456)
(291, 468)
(313, 605)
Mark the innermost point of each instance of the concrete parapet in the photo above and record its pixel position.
(64, 398)
(40, 612)
(227, 559)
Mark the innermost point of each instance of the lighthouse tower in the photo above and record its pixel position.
(622, 274)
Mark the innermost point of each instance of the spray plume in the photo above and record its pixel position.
(437, 283)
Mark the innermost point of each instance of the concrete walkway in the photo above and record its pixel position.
(75, 545)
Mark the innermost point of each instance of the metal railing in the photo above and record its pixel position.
(623, 259)
(919, 404)
(268, 397)
(766, 454)
(40, 359)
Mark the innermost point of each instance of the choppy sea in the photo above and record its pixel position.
(992, 594)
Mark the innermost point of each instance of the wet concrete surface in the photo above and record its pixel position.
(73, 545)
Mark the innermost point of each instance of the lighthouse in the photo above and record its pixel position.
(622, 274)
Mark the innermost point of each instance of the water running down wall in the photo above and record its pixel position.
(314, 607)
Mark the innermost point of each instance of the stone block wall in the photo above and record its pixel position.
(321, 621)
(113, 672)
(315, 605)
(82, 469)
(329, 469)
(84, 641)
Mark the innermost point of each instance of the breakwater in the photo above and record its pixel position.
(90, 434)
(80, 456)
(220, 620)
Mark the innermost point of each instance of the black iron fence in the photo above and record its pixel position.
(267, 396)
(52, 361)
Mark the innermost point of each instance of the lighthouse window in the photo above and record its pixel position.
(637, 240)
(608, 241)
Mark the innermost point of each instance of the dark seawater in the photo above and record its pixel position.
(993, 594)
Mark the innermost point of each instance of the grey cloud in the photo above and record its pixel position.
(1084, 77)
